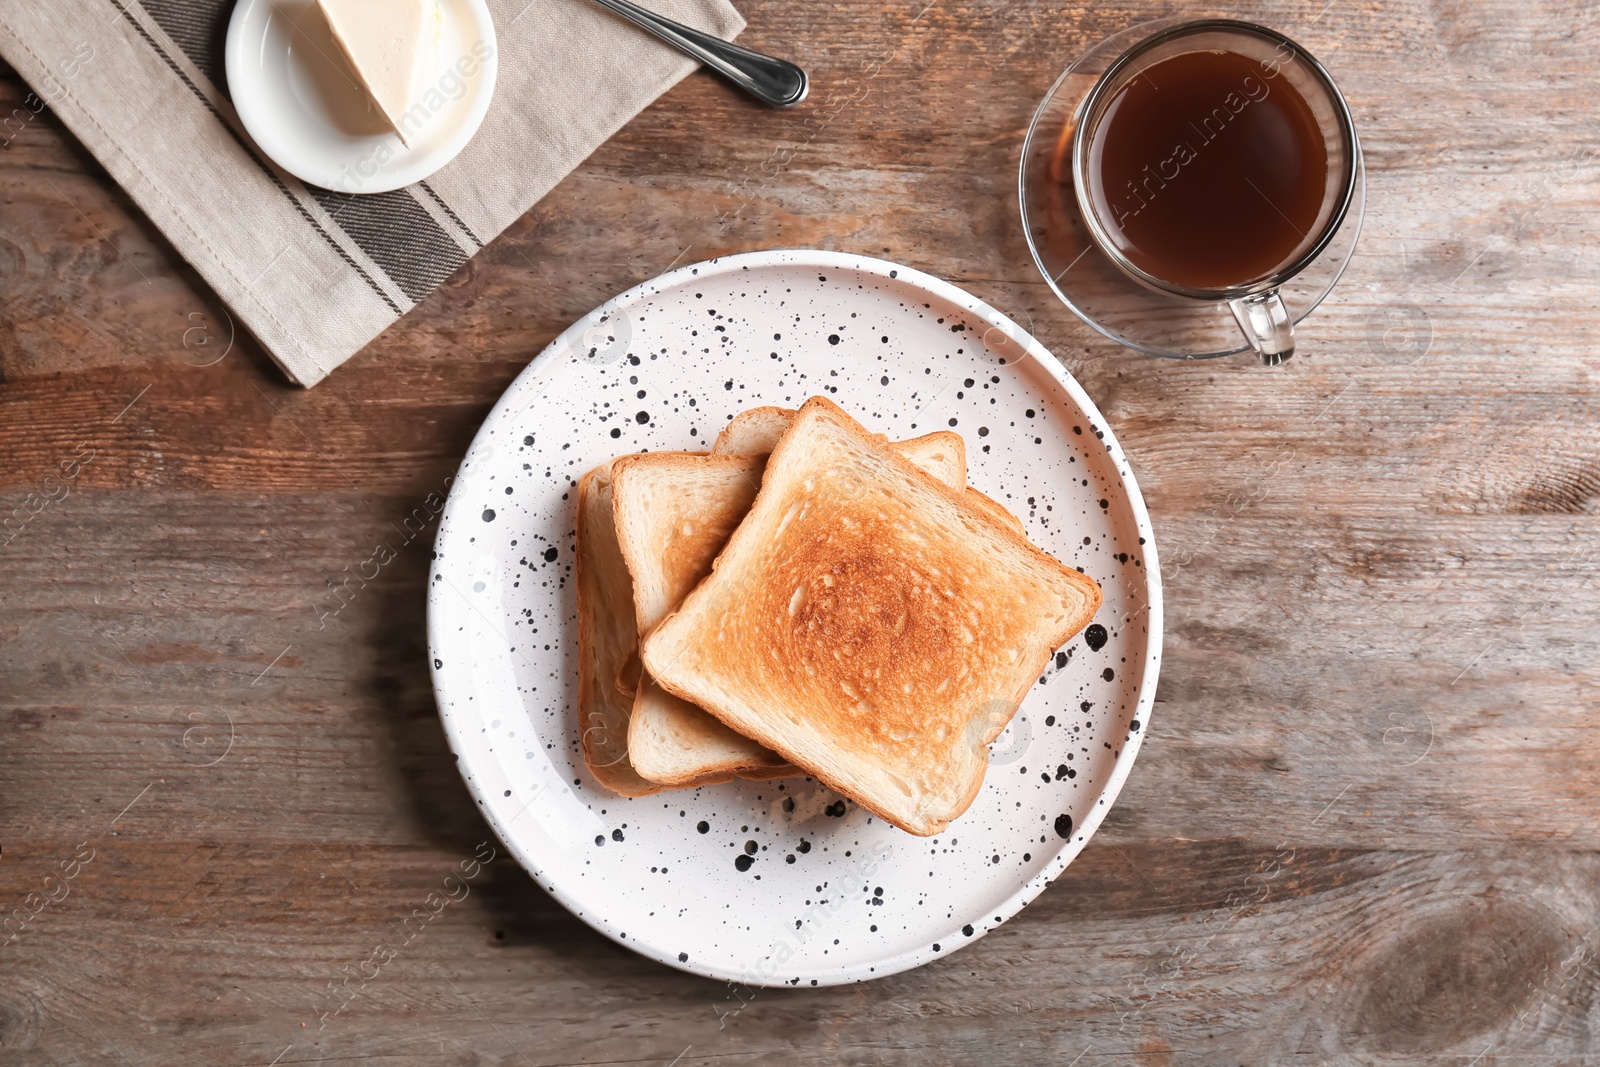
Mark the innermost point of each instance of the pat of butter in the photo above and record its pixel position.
(391, 45)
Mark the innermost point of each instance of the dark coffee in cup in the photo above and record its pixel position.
(1211, 169)
(1215, 160)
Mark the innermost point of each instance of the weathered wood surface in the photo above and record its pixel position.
(1364, 827)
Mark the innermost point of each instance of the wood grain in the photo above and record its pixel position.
(1365, 826)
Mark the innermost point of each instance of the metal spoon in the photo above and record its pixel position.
(770, 80)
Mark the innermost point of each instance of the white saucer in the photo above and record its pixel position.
(297, 99)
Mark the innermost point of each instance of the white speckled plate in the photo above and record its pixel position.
(783, 883)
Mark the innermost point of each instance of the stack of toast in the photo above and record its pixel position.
(809, 598)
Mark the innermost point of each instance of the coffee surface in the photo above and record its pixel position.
(1208, 169)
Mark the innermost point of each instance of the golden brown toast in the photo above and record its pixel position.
(870, 624)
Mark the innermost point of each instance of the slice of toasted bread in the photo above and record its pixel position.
(674, 512)
(607, 635)
(756, 431)
(870, 624)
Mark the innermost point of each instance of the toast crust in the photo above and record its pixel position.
(993, 507)
(870, 623)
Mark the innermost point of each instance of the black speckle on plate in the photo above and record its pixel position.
(1095, 637)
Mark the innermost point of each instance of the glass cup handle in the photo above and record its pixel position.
(1265, 321)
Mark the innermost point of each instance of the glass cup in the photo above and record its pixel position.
(1256, 304)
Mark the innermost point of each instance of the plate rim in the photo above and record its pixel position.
(252, 113)
(528, 381)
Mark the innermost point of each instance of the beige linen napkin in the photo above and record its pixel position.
(316, 274)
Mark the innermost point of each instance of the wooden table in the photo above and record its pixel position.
(1364, 827)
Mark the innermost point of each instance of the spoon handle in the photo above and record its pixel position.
(768, 79)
